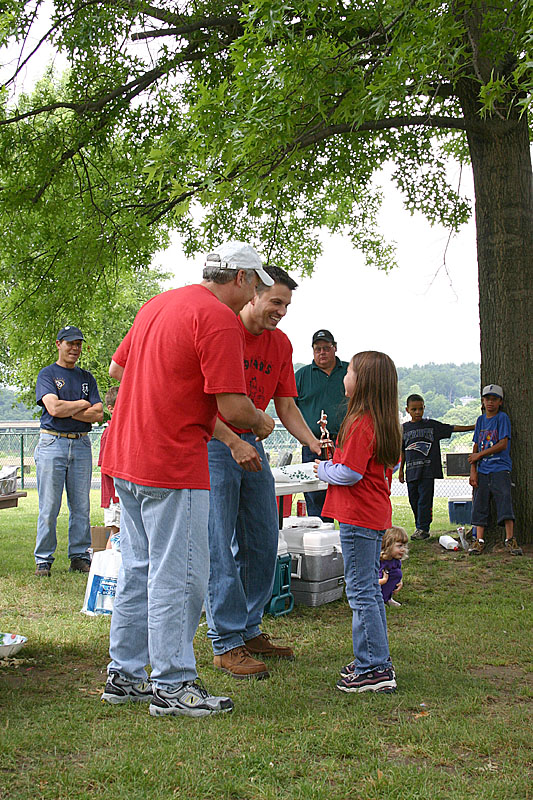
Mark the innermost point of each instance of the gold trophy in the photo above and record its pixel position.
(326, 444)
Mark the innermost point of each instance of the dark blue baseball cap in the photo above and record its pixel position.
(70, 334)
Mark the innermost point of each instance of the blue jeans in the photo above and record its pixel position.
(314, 500)
(63, 464)
(360, 551)
(421, 501)
(162, 582)
(243, 546)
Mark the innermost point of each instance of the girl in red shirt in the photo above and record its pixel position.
(359, 477)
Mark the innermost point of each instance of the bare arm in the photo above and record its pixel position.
(241, 412)
(401, 474)
(243, 452)
(473, 469)
(476, 456)
(94, 413)
(116, 371)
(459, 428)
(292, 418)
(63, 408)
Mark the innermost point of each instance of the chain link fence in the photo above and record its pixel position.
(17, 448)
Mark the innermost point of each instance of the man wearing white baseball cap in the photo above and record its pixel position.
(181, 363)
(237, 255)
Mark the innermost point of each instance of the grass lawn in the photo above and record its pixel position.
(458, 727)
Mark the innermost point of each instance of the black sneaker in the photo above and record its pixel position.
(119, 690)
(43, 569)
(190, 700)
(79, 565)
(419, 534)
(372, 681)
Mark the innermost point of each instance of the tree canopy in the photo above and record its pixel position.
(272, 116)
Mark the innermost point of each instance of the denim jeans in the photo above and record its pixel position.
(314, 500)
(161, 584)
(360, 551)
(63, 464)
(243, 546)
(421, 501)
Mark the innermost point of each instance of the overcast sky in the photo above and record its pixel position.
(415, 313)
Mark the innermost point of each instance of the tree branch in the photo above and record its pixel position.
(41, 41)
(138, 84)
(201, 24)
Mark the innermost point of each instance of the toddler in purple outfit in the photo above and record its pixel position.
(393, 550)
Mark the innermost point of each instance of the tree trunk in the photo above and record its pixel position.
(501, 163)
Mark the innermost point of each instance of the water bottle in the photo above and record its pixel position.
(461, 534)
(448, 543)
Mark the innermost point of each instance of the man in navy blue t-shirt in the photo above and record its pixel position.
(71, 403)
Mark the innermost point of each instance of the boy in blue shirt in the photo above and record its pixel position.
(421, 461)
(490, 470)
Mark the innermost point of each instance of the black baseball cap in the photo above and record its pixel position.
(70, 334)
(323, 335)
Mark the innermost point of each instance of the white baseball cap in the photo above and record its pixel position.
(492, 388)
(238, 255)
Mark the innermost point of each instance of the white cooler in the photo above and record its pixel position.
(317, 568)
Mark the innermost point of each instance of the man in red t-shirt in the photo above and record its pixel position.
(180, 363)
(243, 517)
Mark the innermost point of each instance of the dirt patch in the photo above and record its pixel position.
(82, 677)
(494, 549)
(508, 674)
(396, 755)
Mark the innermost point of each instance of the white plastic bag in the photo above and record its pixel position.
(8, 480)
(102, 583)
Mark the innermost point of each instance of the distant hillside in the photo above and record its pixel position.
(10, 408)
(441, 385)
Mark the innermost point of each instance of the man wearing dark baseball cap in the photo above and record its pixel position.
(321, 388)
(70, 401)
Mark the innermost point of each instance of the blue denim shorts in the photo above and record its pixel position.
(497, 485)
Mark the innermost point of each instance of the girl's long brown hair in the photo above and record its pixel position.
(376, 393)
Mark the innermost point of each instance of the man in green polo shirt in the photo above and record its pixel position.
(321, 388)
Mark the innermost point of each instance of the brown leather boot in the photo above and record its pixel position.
(240, 664)
(263, 646)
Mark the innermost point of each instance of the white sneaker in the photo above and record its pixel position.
(392, 602)
(119, 690)
(190, 700)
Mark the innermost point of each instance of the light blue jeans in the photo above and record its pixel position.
(162, 582)
(360, 550)
(63, 464)
(243, 545)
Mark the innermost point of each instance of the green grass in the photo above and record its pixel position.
(458, 727)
